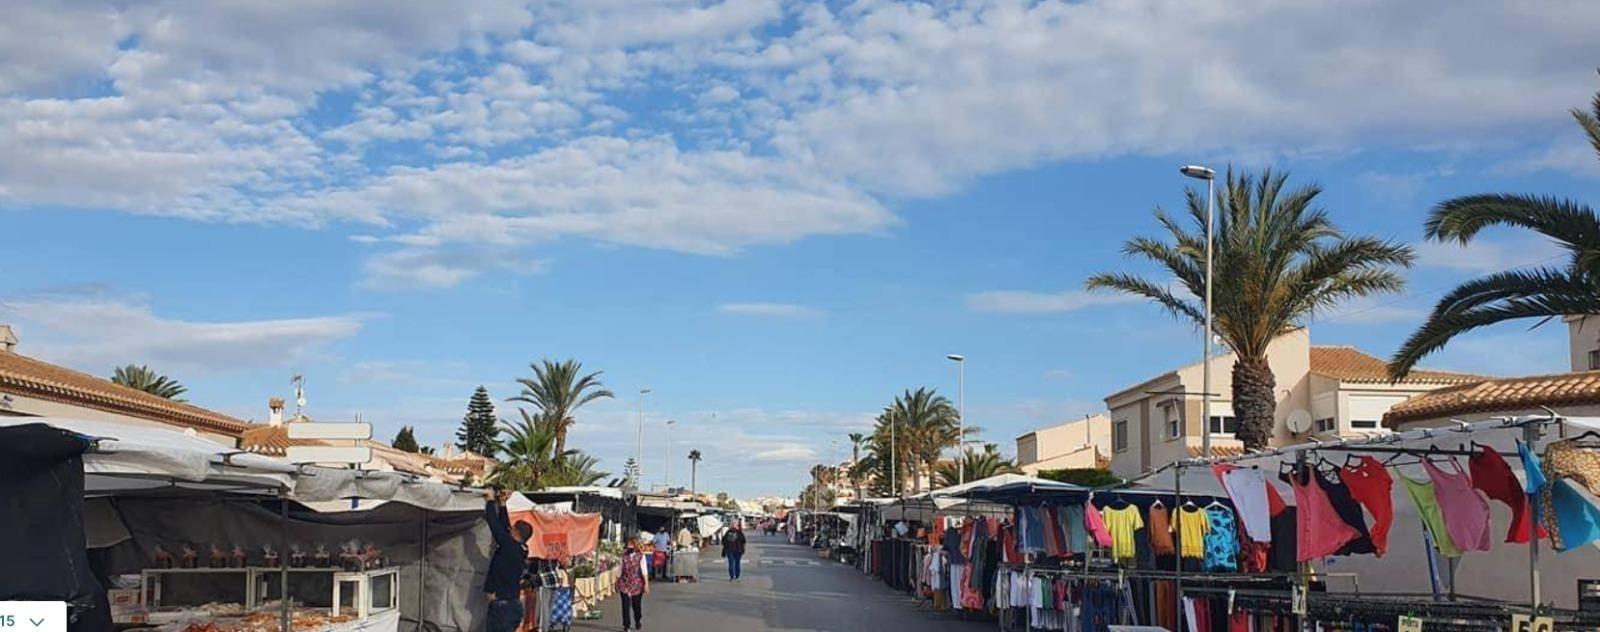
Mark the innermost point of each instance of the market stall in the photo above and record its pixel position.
(183, 531)
(1375, 533)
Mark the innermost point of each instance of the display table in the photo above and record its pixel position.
(304, 621)
(685, 565)
(358, 594)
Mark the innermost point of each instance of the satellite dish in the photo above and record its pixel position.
(1298, 421)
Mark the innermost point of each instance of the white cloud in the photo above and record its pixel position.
(96, 332)
(426, 267)
(423, 373)
(764, 123)
(1567, 153)
(1023, 302)
(774, 310)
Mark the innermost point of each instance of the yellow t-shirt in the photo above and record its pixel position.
(1122, 523)
(1192, 525)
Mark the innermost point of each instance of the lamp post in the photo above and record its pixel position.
(638, 442)
(1210, 176)
(961, 414)
(666, 454)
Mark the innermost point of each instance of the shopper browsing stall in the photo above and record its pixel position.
(503, 584)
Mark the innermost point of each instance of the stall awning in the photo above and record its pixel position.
(130, 459)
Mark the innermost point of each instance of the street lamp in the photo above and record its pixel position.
(638, 444)
(961, 414)
(666, 453)
(1210, 176)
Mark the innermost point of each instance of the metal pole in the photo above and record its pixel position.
(284, 617)
(638, 442)
(1177, 560)
(1302, 567)
(894, 465)
(961, 421)
(666, 456)
(1530, 434)
(1205, 357)
(422, 576)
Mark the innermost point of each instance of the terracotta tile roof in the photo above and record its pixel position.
(1500, 395)
(1217, 451)
(22, 375)
(275, 441)
(1350, 364)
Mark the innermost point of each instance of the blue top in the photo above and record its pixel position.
(1531, 468)
(1577, 519)
(1222, 543)
(510, 558)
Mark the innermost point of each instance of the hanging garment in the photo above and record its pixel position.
(1576, 518)
(1285, 554)
(1466, 513)
(1349, 511)
(1532, 469)
(1095, 523)
(1371, 486)
(1247, 486)
(952, 546)
(1492, 475)
(1428, 510)
(1054, 544)
(1191, 525)
(1222, 543)
(1321, 531)
(1567, 460)
(1161, 530)
(1072, 521)
(1121, 523)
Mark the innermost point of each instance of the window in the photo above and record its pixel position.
(1594, 360)
(1174, 423)
(1369, 424)
(1224, 424)
(1119, 436)
(1327, 424)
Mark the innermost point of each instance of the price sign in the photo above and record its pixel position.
(1409, 624)
(1525, 623)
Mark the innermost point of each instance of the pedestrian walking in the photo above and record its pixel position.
(632, 585)
(733, 549)
(663, 552)
(503, 585)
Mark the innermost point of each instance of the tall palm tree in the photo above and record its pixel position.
(1544, 292)
(529, 459)
(140, 377)
(559, 389)
(694, 472)
(1278, 260)
(857, 441)
(929, 424)
(979, 465)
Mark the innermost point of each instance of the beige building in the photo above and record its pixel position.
(1080, 443)
(34, 388)
(1323, 391)
(1583, 336)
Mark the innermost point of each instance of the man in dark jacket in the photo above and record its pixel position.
(503, 585)
(733, 549)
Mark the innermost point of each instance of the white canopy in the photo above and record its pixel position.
(130, 458)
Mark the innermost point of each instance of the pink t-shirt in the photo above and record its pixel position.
(1322, 532)
(1096, 525)
(1466, 513)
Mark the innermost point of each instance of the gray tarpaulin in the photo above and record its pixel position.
(457, 549)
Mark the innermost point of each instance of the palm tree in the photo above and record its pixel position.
(929, 424)
(141, 378)
(979, 465)
(1544, 292)
(857, 440)
(694, 472)
(1278, 261)
(558, 389)
(529, 459)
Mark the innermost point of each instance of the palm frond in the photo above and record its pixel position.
(1510, 295)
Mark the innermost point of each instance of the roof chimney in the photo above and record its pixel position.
(276, 406)
(8, 340)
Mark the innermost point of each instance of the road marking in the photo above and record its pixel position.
(790, 563)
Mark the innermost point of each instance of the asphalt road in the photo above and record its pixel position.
(785, 588)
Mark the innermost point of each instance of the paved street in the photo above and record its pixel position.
(785, 587)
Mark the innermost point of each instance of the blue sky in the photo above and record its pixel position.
(776, 215)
